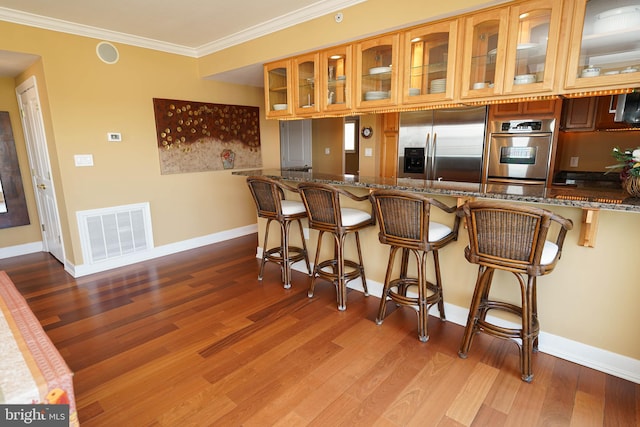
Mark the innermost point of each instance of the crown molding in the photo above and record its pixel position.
(308, 13)
(305, 14)
(53, 24)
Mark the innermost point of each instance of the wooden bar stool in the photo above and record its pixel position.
(404, 221)
(513, 238)
(322, 202)
(269, 196)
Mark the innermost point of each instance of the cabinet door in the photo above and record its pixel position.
(277, 95)
(606, 113)
(485, 44)
(604, 51)
(377, 72)
(305, 72)
(534, 31)
(578, 114)
(336, 79)
(429, 62)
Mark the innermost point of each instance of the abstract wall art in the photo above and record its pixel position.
(199, 136)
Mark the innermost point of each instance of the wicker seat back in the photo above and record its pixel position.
(267, 195)
(323, 206)
(511, 237)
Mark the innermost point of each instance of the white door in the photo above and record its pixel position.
(36, 141)
(295, 143)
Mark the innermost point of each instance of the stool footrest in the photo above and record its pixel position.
(295, 254)
(401, 297)
(354, 270)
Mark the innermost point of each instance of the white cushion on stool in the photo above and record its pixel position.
(549, 253)
(291, 207)
(437, 231)
(352, 216)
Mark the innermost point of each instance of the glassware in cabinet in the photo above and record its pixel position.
(484, 51)
(277, 95)
(430, 62)
(532, 50)
(306, 91)
(604, 50)
(336, 64)
(377, 71)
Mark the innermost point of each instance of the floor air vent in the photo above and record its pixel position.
(115, 232)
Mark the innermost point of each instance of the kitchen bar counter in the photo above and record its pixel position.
(559, 195)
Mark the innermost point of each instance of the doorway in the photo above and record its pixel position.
(295, 144)
(42, 181)
(351, 147)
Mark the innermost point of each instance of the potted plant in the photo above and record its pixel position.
(629, 167)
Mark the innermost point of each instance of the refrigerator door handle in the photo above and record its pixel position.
(427, 166)
(433, 156)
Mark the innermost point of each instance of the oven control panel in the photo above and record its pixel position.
(522, 126)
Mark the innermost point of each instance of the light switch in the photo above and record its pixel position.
(368, 152)
(327, 150)
(114, 136)
(83, 159)
(574, 162)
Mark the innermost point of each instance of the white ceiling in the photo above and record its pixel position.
(188, 27)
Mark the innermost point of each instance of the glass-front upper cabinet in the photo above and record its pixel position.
(277, 96)
(604, 50)
(429, 62)
(306, 91)
(532, 49)
(377, 72)
(484, 51)
(335, 93)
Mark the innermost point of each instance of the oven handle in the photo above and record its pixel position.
(515, 181)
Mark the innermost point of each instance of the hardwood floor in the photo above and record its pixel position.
(193, 339)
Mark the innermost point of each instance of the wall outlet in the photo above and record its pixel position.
(305, 232)
(574, 162)
(327, 150)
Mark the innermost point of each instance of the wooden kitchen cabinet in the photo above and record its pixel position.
(606, 112)
(377, 63)
(429, 62)
(278, 89)
(604, 42)
(484, 50)
(532, 50)
(578, 114)
(336, 79)
(306, 87)
(546, 107)
(511, 50)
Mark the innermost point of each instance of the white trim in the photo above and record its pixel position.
(24, 249)
(305, 14)
(86, 269)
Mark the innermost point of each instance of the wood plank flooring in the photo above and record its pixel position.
(193, 339)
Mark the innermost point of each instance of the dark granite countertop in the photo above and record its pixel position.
(596, 197)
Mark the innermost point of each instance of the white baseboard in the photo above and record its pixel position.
(27, 248)
(159, 251)
(592, 357)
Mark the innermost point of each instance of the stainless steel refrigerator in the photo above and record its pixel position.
(444, 144)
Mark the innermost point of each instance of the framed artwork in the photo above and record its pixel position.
(199, 136)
